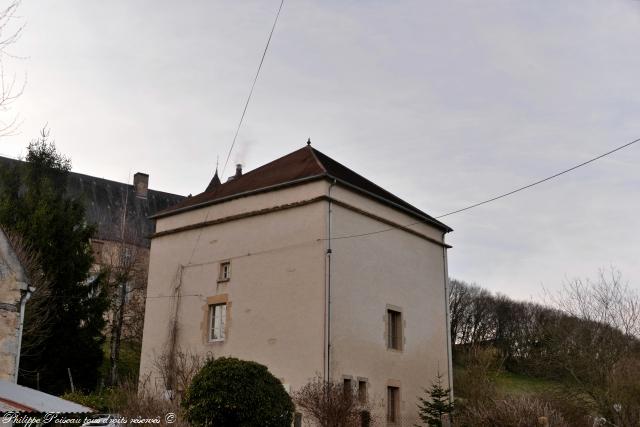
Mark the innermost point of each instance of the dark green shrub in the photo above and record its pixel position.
(100, 402)
(233, 392)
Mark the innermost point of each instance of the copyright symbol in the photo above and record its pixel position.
(170, 418)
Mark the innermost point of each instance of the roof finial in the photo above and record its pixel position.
(309, 141)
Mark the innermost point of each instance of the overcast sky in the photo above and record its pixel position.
(444, 103)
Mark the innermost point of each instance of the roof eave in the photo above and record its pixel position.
(416, 214)
(238, 195)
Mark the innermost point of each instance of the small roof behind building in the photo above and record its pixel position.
(303, 165)
(14, 397)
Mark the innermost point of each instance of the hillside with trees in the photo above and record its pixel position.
(576, 355)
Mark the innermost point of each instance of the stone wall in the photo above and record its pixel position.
(12, 279)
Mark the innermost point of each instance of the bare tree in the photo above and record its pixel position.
(331, 404)
(135, 401)
(608, 300)
(123, 278)
(472, 312)
(178, 369)
(10, 86)
(124, 263)
(596, 338)
(459, 300)
(38, 308)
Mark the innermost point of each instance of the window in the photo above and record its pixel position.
(297, 420)
(362, 392)
(127, 255)
(393, 404)
(97, 247)
(394, 329)
(217, 320)
(128, 288)
(225, 271)
(346, 386)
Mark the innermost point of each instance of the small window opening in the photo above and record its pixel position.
(362, 392)
(346, 387)
(393, 404)
(394, 325)
(225, 270)
(297, 420)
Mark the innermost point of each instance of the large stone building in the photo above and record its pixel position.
(311, 269)
(120, 213)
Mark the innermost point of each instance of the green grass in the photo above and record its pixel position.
(509, 383)
(129, 361)
(517, 384)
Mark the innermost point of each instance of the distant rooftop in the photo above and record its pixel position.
(104, 201)
(303, 165)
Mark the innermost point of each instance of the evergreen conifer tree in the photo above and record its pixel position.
(33, 205)
(435, 404)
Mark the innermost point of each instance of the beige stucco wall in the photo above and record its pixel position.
(277, 291)
(275, 313)
(373, 206)
(370, 273)
(242, 205)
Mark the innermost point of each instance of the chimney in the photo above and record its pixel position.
(238, 173)
(141, 184)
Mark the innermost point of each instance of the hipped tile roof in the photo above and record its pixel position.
(300, 166)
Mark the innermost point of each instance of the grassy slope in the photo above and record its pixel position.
(514, 384)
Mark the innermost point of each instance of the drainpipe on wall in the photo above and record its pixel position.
(25, 294)
(448, 318)
(327, 367)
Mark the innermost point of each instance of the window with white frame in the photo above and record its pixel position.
(225, 270)
(217, 320)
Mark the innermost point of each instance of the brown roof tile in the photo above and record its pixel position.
(299, 166)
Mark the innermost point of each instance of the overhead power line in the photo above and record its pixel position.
(549, 178)
(484, 202)
(244, 111)
(253, 85)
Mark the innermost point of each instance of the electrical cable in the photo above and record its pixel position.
(539, 181)
(253, 85)
(484, 202)
(244, 111)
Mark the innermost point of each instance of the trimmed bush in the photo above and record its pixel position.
(231, 392)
